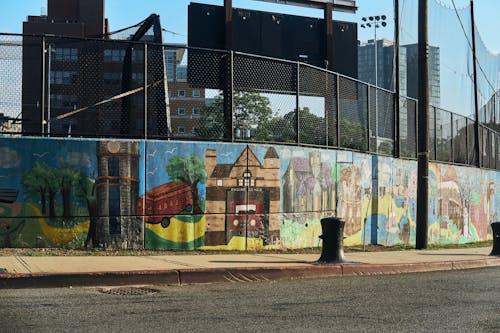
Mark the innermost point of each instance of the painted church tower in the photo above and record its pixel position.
(117, 190)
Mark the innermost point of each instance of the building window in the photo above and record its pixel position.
(113, 167)
(63, 101)
(181, 73)
(247, 180)
(181, 93)
(62, 77)
(137, 56)
(169, 56)
(219, 182)
(112, 78)
(196, 111)
(196, 93)
(114, 55)
(194, 130)
(138, 78)
(181, 111)
(181, 129)
(66, 54)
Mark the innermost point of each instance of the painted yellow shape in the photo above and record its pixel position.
(354, 239)
(179, 231)
(56, 235)
(240, 244)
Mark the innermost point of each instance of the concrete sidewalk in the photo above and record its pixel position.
(61, 271)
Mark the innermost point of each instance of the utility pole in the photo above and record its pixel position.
(423, 126)
(478, 147)
(397, 83)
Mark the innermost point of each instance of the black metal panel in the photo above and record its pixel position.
(345, 48)
(206, 26)
(272, 35)
(289, 37)
(246, 31)
(305, 40)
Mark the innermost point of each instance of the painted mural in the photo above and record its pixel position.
(206, 195)
(47, 193)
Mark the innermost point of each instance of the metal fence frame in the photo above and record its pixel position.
(350, 114)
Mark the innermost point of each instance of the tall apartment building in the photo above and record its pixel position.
(434, 73)
(187, 103)
(408, 68)
(61, 75)
(385, 64)
(69, 18)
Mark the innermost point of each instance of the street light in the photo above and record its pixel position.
(377, 21)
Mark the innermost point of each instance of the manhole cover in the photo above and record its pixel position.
(126, 291)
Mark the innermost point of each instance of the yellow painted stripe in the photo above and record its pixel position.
(56, 235)
(179, 231)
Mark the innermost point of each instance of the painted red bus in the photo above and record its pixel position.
(165, 201)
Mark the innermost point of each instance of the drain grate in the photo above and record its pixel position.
(129, 291)
(3, 270)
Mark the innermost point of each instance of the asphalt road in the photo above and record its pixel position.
(451, 301)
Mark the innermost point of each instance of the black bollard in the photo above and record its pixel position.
(333, 236)
(495, 226)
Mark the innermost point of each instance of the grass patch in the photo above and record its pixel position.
(37, 252)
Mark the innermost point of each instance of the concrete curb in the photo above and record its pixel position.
(232, 275)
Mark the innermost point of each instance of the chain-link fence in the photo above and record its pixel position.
(60, 86)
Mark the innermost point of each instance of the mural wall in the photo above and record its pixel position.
(188, 195)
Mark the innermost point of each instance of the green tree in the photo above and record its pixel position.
(353, 135)
(311, 127)
(190, 170)
(251, 112)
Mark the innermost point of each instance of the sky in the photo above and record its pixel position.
(173, 14)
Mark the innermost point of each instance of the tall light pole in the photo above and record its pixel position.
(376, 22)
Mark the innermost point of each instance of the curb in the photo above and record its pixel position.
(232, 275)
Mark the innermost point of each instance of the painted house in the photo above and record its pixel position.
(247, 182)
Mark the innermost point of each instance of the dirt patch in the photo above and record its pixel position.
(103, 252)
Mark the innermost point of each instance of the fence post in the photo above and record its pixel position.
(297, 103)
(228, 98)
(397, 96)
(338, 110)
(146, 90)
(368, 118)
(42, 92)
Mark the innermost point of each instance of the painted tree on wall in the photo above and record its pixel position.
(66, 177)
(35, 186)
(192, 171)
(46, 183)
(85, 192)
(41, 181)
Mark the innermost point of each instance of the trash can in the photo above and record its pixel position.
(495, 226)
(333, 236)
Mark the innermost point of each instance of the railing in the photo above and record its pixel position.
(111, 88)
